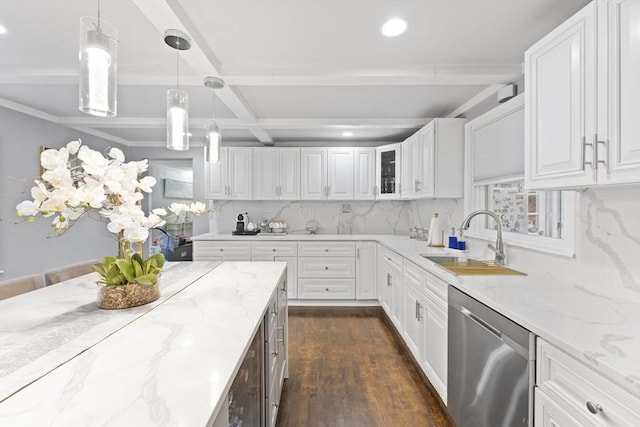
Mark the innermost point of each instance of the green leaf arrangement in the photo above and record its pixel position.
(134, 269)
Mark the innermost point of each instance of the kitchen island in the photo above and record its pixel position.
(66, 362)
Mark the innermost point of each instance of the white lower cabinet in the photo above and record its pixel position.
(366, 277)
(413, 318)
(210, 250)
(434, 344)
(425, 324)
(570, 394)
(326, 270)
(280, 252)
(548, 413)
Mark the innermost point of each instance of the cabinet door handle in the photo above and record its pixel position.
(594, 408)
(606, 149)
(584, 151)
(358, 253)
(416, 311)
(419, 311)
(326, 268)
(389, 279)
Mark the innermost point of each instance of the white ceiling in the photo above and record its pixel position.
(296, 70)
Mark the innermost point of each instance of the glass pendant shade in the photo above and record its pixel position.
(177, 120)
(98, 67)
(213, 142)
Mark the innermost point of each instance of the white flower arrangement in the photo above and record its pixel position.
(78, 180)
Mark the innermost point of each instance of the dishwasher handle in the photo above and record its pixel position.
(480, 322)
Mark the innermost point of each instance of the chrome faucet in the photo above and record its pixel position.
(499, 247)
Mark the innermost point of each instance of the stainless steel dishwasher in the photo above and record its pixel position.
(491, 366)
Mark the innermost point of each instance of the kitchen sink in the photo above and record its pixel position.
(470, 267)
(441, 259)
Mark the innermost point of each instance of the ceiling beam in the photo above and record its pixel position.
(471, 77)
(233, 123)
(34, 112)
(477, 99)
(169, 14)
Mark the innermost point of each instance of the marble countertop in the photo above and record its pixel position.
(176, 357)
(593, 325)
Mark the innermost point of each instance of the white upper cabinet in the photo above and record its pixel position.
(313, 170)
(620, 150)
(581, 93)
(434, 167)
(327, 173)
(276, 173)
(230, 178)
(340, 173)
(388, 171)
(216, 175)
(364, 173)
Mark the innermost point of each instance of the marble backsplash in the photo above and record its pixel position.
(367, 217)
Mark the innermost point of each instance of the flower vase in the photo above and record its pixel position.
(126, 296)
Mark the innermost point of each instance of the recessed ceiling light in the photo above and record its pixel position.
(394, 27)
(3, 29)
(347, 133)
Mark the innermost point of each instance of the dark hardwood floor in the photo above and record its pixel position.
(347, 369)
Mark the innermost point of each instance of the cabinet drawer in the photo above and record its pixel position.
(436, 285)
(547, 412)
(392, 259)
(274, 248)
(326, 267)
(414, 274)
(210, 258)
(228, 250)
(573, 384)
(327, 288)
(331, 249)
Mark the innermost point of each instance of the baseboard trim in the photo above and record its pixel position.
(333, 303)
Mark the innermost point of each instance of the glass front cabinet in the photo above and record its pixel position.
(388, 171)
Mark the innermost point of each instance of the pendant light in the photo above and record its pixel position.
(177, 100)
(213, 130)
(98, 66)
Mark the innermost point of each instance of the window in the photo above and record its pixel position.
(494, 170)
(535, 213)
(530, 219)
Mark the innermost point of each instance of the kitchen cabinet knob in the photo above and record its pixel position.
(273, 250)
(326, 268)
(326, 250)
(594, 408)
(221, 250)
(275, 405)
(326, 289)
(274, 353)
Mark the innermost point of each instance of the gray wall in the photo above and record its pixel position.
(25, 248)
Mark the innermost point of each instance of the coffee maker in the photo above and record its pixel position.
(241, 223)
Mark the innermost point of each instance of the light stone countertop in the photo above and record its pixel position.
(598, 328)
(174, 358)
